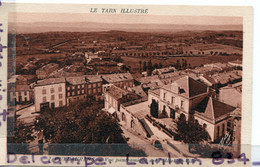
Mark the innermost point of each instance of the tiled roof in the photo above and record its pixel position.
(116, 92)
(22, 88)
(50, 81)
(156, 92)
(93, 78)
(188, 87)
(123, 96)
(139, 91)
(212, 109)
(76, 80)
(111, 78)
(49, 66)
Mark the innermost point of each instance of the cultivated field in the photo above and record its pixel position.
(194, 61)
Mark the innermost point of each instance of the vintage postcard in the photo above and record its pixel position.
(120, 85)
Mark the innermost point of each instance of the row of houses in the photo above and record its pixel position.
(58, 92)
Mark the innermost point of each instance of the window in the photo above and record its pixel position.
(164, 96)
(99, 90)
(68, 94)
(172, 100)
(83, 86)
(94, 85)
(82, 91)
(52, 90)
(44, 91)
(52, 97)
(60, 89)
(68, 88)
(204, 125)
(229, 128)
(89, 92)
(123, 116)
(94, 91)
(60, 103)
(60, 96)
(89, 86)
(25, 93)
(73, 87)
(223, 129)
(218, 132)
(182, 103)
(25, 99)
(73, 93)
(20, 93)
(78, 86)
(44, 99)
(99, 84)
(78, 92)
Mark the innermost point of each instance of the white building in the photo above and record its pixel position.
(50, 93)
(187, 96)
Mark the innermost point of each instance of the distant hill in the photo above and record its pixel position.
(38, 27)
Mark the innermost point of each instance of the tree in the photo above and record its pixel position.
(140, 63)
(178, 65)
(160, 65)
(22, 136)
(144, 66)
(155, 66)
(191, 131)
(149, 68)
(154, 109)
(83, 123)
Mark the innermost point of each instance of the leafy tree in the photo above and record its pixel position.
(191, 131)
(118, 59)
(140, 63)
(149, 68)
(82, 123)
(19, 142)
(178, 65)
(160, 65)
(155, 66)
(85, 122)
(144, 66)
(154, 109)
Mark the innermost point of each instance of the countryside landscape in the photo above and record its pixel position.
(147, 92)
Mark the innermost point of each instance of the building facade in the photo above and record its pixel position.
(50, 93)
(187, 96)
(75, 89)
(121, 80)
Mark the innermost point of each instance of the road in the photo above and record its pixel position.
(27, 115)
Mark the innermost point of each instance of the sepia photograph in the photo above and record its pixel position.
(124, 84)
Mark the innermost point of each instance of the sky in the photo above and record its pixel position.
(123, 18)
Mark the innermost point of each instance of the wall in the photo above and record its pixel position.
(137, 126)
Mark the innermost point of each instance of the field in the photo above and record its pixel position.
(207, 48)
(23, 59)
(194, 61)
